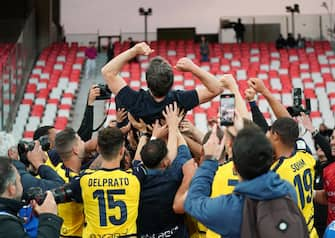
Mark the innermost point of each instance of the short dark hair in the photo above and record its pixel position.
(252, 153)
(64, 142)
(42, 131)
(159, 77)
(7, 173)
(110, 141)
(287, 129)
(153, 153)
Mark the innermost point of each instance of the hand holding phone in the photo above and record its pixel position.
(227, 109)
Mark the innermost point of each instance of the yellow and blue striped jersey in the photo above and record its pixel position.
(298, 170)
(111, 199)
(224, 183)
(71, 212)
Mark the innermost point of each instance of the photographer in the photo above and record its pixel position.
(49, 179)
(46, 135)
(257, 86)
(324, 158)
(318, 137)
(10, 203)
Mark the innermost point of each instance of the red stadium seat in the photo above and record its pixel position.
(54, 63)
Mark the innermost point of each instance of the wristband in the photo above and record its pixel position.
(153, 138)
(252, 103)
(144, 133)
(209, 157)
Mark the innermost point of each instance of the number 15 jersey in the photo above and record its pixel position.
(298, 170)
(110, 198)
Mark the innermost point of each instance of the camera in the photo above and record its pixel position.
(62, 194)
(297, 107)
(23, 147)
(105, 93)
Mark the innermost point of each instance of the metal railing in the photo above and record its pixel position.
(14, 72)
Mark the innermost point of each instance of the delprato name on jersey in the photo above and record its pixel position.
(108, 182)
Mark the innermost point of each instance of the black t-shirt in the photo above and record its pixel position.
(142, 105)
(156, 217)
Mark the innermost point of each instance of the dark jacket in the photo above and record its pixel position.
(257, 117)
(12, 226)
(49, 178)
(86, 127)
(324, 144)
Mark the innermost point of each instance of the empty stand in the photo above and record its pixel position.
(51, 90)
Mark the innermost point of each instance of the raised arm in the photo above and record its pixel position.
(318, 138)
(229, 82)
(143, 138)
(198, 203)
(173, 119)
(111, 70)
(158, 132)
(278, 108)
(142, 141)
(212, 85)
(194, 146)
(191, 131)
(86, 126)
(257, 115)
(189, 169)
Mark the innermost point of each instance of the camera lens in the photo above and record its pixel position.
(63, 194)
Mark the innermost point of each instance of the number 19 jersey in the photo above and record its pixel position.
(110, 198)
(298, 170)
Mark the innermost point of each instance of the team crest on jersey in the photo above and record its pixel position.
(64, 230)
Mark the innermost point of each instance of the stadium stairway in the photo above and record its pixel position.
(85, 84)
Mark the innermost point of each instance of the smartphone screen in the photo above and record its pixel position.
(227, 109)
(297, 100)
(308, 106)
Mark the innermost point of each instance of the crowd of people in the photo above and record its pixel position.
(290, 42)
(152, 174)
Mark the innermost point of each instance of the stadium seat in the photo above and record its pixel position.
(312, 69)
(54, 80)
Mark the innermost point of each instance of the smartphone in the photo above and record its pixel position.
(227, 109)
(297, 97)
(308, 106)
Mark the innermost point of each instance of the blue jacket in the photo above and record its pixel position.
(49, 178)
(224, 213)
